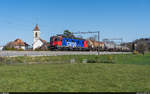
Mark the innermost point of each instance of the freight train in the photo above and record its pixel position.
(60, 42)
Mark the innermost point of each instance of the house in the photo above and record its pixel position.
(38, 43)
(17, 44)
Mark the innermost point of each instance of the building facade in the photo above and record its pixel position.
(37, 41)
(17, 44)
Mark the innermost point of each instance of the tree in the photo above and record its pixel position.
(149, 49)
(141, 47)
(68, 34)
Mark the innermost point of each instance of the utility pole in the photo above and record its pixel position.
(98, 41)
(98, 34)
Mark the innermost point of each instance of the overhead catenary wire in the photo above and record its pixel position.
(98, 34)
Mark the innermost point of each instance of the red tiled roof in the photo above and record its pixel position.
(17, 42)
(36, 28)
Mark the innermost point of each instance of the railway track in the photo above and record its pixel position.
(52, 53)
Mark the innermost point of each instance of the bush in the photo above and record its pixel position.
(12, 49)
(2, 60)
(91, 61)
(135, 52)
(141, 47)
(20, 49)
(8, 48)
(108, 59)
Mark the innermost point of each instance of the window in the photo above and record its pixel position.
(56, 39)
(36, 34)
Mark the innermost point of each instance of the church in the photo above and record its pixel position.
(38, 43)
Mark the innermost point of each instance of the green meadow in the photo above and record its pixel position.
(104, 73)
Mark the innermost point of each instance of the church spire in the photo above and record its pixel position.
(36, 28)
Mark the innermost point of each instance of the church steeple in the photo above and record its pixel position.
(36, 36)
(36, 28)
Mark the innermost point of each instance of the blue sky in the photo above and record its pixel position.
(127, 19)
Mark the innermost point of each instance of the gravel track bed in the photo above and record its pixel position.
(52, 53)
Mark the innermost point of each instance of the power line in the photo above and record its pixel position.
(98, 34)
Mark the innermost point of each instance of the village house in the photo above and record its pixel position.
(17, 44)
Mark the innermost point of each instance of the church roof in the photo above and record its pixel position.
(36, 28)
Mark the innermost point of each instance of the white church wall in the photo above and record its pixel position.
(36, 35)
(37, 44)
(36, 38)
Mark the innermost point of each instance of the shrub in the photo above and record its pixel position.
(110, 58)
(2, 60)
(8, 48)
(141, 47)
(135, 52)
(91, 61)
(12, 49)
(20, 49)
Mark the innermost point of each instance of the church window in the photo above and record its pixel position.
(36, 34)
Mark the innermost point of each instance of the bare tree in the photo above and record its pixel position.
(141, 47)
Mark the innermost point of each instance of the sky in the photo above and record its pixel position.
(127, 19)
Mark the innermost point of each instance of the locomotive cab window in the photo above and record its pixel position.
(56, 39)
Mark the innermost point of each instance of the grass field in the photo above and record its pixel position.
(128, 73)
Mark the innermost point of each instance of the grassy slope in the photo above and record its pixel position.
(75, 77)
